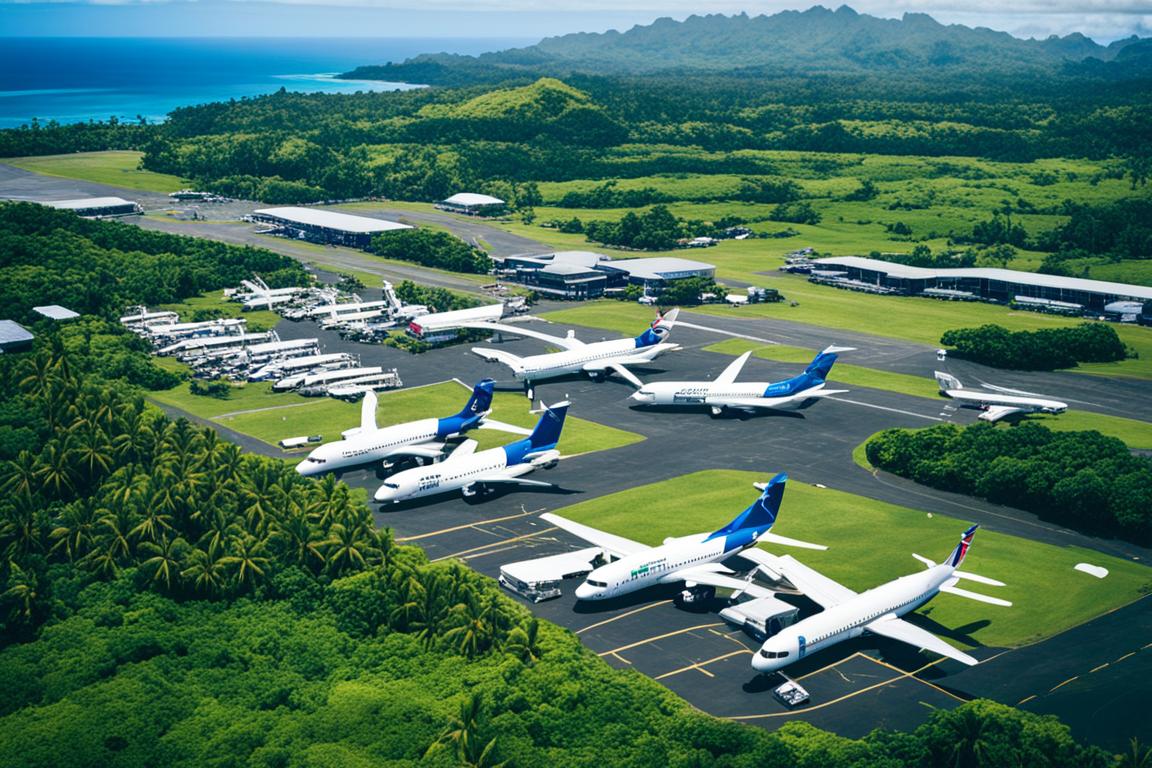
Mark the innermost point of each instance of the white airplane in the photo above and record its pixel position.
(695, 560)
(473, 473)
(260, 296)
(996, 405)
(725, 394)
(423, 439)
(595, 359)
(455, 319)
(848, 615)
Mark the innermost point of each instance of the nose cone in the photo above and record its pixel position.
(385, 494)
(307, 468)
(587, 592)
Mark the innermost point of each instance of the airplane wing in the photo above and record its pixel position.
(494, 479)
(616, 546)
(897, 629)
(703, 575)
(997, 412)
(465, 449)
(564, 342)
(424, 451)
(816, 586)
(730, 373)
(503, 427)
(617, 367)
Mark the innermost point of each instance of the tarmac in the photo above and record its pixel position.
(1094, 677)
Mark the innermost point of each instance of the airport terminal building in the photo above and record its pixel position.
(319, 226)
(1055, 293)
(579, 275)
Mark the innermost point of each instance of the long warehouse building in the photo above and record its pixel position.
(980, 283)
(325, 226)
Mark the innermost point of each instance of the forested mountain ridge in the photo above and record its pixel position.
(817, 40)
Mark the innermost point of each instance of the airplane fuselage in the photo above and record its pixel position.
(366, 448)
(974, 399)
(655, 566)
(849, 619)
(458, 474)
(578, 360)
(706, 393)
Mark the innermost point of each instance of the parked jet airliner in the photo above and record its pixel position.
(725, 394)
(847, 615)
(596, 359)
(694, 560)
(421, 439)
(472, 473)
(996, 405)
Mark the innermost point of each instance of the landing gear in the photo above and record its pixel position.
(695, 597)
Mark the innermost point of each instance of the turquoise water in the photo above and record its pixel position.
(80, 79)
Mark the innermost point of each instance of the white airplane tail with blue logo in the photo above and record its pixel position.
(754, 523)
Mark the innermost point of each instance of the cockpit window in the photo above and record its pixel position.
(595, 583)
(392, 485)
(773, 654)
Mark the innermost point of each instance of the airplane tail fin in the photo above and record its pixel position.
(961, 550)
(822, 364)
(368, 413)
(762, 512)
(947, 381)
(481, 399)
(547, 431)
(659, 330)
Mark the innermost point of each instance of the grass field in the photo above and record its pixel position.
(842, 373)
(258, 320)
(1049, 596)
(256, 411)
(117, 168)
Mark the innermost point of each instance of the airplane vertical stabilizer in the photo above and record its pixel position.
(762, 513)
(368, 413)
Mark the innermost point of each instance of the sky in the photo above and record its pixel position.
(1102, 20)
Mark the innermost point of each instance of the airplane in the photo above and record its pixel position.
(473, 473)
(725, 394)
(260, 296)
(849, 615)
(996, 405)
(695, 559)
(595, 359)
(422, 439)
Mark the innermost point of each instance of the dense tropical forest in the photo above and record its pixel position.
(167, 599)
(1043, 350)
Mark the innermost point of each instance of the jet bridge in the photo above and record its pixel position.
(539, 579)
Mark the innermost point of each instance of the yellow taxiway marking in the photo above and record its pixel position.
(699, 666)
(462, 527)
(1124, 657)
(1097, 669)
(492, 544)
(881, 684)
(1074, 677)
(617, 656)
(1025, 701)
(925, 682)
(621, 616)
(647, 640)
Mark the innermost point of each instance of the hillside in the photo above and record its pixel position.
(817, 40)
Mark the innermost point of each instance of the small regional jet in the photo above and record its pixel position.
(695, 560)
(473, 473)
(418, 439)
(996, 405)
(848, 615)
(724, 394)
(595, 359)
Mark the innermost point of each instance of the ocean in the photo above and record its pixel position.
(79, 79)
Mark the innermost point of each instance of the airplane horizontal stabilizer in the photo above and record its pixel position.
(504, 427)
(997, 412)
(954, 590)
(979, 579)
(898, 629)
(773, 538)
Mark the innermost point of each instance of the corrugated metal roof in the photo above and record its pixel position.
(331, 220)
(991, 273)
(89, 202)
(11, 332)
(56, 312)
(471, 198)
(659, 267)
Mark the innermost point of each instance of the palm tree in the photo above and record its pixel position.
(462, 736)
(348, 548)
(114, 547)
(968, 735)
(23, 592)
(301, 542)
(1136, 756)
(155, 525)
(522, 641)
(54, 469)
(474, 634)
(75, 532)
(246, 560)
(204, 570)
(165, 561)
(408, 612)
(19, 475)
(92, 451)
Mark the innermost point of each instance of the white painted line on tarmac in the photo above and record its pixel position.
(885, 408)
(725, 333)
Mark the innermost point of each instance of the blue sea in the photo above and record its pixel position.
(80, 79)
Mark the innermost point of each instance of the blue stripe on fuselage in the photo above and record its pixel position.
(455, 425)
(514, 453)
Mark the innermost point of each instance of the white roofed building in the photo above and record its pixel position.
(323, 226)
(91, 207)
(587, 274)
(473, 204)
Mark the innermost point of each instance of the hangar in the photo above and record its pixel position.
(473, 204)
(97, 206)
(325, 226)
(14, 337)
(588, 275)
(1004, 286)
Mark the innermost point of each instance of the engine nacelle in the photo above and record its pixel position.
(696, 595)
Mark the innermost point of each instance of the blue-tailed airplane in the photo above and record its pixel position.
(423, 439)
(695, 560)
(847, 614)
(473, 473)
(724, 394)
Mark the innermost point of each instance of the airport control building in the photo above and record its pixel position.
(90, 207)
(1031, 290)
(578, 275)
(319, 226)
(473, 204)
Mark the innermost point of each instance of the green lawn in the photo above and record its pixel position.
(258, 320)
(871, 542)
(118, 168)
(1137, 434)
(254, 410)
(842, 373)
